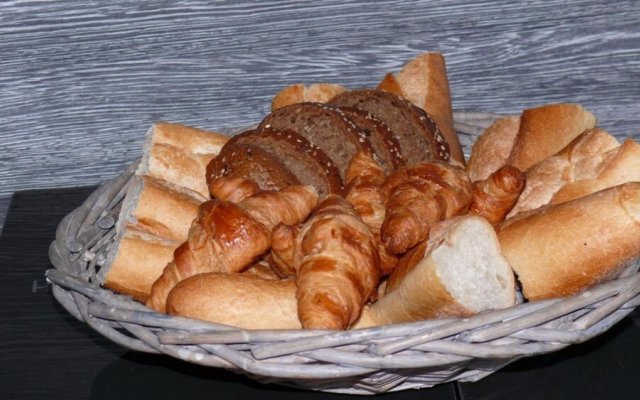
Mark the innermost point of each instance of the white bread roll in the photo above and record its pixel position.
(179, 155)
(579, 160)
(559, 250)
(458, 271)
(546, 130)
(298, 93)
(492, 148)
(136, 261)
(239, 300)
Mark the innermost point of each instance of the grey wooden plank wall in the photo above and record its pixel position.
(80, 81)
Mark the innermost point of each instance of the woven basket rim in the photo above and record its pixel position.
(363, 361)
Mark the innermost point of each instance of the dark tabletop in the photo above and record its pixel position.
(46, 353)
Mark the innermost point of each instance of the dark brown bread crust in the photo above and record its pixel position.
(307, 162)
(250, 162)
(385, 145)
(338, 136)
(419, 137)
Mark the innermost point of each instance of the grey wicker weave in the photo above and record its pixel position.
(366, 361)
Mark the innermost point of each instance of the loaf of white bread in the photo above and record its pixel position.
(160, 204)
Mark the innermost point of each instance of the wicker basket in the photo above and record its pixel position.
(366, 361)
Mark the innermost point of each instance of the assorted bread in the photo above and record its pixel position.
(349, 208)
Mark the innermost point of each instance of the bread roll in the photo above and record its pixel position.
(492, 148)
(458, 271)
(298, 93)
(239, 300)
(559, 250)
(546, 130)
(179, 155)
(424, 82)
(136, 261)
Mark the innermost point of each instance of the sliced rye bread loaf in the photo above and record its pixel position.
(323, 126)
(307, 162)
(251, 162)
(385, 146)
(419, 137)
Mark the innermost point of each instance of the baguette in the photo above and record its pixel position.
(136, 262)
(159, 208)
(458, 271)
(559, 250)
(423, 81)
(179, 155)
(546, 130)
(579, 160)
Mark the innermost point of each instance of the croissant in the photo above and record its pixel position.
(495, 196)
(419, 196)
(227, 237)
(364, 178)
(232, 189)
(334, 257)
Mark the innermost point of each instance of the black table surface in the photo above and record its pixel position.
(46, 353)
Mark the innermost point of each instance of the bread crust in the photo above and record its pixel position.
(573, 167)
(299, 93)
(546, 130)
(239, 300)
(308, 163)
(139, 261)
(424, 82)
(159, 209)
(559, 250)
(250, 162)
(179, 154)
(492, 148)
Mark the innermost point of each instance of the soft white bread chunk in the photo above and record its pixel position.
(562, 249)
(179, 155)
(458, 271)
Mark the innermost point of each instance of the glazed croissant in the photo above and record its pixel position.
(334, 257)
(419, 196)
(495, 196)
(227, 237)
(364, 178)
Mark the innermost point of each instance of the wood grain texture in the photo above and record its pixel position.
(82, 80)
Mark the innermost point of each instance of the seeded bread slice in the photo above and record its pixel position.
(419, 137)
(307, 162)
(323, 126)
(385, 145)
(253, 163)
